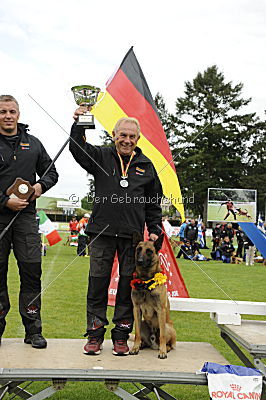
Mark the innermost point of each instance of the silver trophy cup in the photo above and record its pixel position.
(86, 95)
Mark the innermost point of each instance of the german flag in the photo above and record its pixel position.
(128, 95)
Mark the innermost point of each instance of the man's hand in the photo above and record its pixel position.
(83, 108)
(153, 237)
(16, 204)
(38, 191)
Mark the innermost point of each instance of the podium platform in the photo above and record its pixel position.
(251, 335)
(63, 360)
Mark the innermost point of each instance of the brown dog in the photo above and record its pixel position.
(236, 260)
(153, 327)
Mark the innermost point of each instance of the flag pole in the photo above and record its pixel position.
(42, 244)
(4, 231)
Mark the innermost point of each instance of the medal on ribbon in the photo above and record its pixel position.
(124, 178)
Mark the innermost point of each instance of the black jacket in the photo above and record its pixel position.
(216, 233)
(119, 211)
(191, 232)
(240, 236)
(187, 251)
(227, 249)
(247, 242)
(28, 158)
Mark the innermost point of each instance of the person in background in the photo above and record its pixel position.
(204, 230)
(216, 237)
(249, 250)
(240, 242)
(230, 209)
(191, 231)
(230, 232)
(182, 230)
(223, 230)
(227, 250)
(83, 239)
(186, 250)
(73, 225)
(191, 234)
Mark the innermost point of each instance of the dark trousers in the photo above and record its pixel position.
(228, 213)
(103, 250)
(26, 242)
(195, 245)
(215, 244)
(239, 251)
(82, 245)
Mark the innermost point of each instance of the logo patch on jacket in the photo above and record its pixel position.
(25, 146)
(140, 171)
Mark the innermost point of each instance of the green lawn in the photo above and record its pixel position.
(64, 309)
(216, 212)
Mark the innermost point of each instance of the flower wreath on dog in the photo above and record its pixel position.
(139, 284)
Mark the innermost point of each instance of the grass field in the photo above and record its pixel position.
(216, 212)
(64, 310)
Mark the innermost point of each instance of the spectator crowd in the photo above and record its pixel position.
(229, 244)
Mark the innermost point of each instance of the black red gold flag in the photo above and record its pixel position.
(127, 94)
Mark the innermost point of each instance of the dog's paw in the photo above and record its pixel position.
(162, 355)
(134, 351)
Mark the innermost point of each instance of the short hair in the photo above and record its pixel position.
(8, 97)
(127, 119)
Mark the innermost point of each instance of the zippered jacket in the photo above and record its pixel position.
(119, 211)
(227, 249)
(25, 161)
(191, 232)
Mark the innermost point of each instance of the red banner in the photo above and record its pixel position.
(175, 284)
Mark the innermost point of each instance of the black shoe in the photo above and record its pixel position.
(36, 340)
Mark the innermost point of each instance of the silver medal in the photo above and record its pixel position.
(124, 183)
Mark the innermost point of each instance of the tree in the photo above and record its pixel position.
(255, 176)
(165, 116)
(211, 136)
(106, 139)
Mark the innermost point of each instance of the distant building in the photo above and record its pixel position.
(165, 204)
(49, 205)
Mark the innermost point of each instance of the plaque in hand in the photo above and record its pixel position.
(20, 189)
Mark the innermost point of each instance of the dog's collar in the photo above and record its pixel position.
(139, 284)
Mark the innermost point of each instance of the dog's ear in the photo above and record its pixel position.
(158, 243)
(136, 238)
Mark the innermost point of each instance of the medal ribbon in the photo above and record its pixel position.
(123, 169)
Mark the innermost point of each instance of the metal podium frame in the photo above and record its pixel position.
(236, 336)
(152, 381)
(146, 369)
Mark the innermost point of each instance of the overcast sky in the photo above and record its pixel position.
(48, 47)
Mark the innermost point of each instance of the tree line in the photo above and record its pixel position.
(213, 141)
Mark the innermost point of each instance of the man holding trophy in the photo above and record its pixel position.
(22, 156)
(127, 195)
